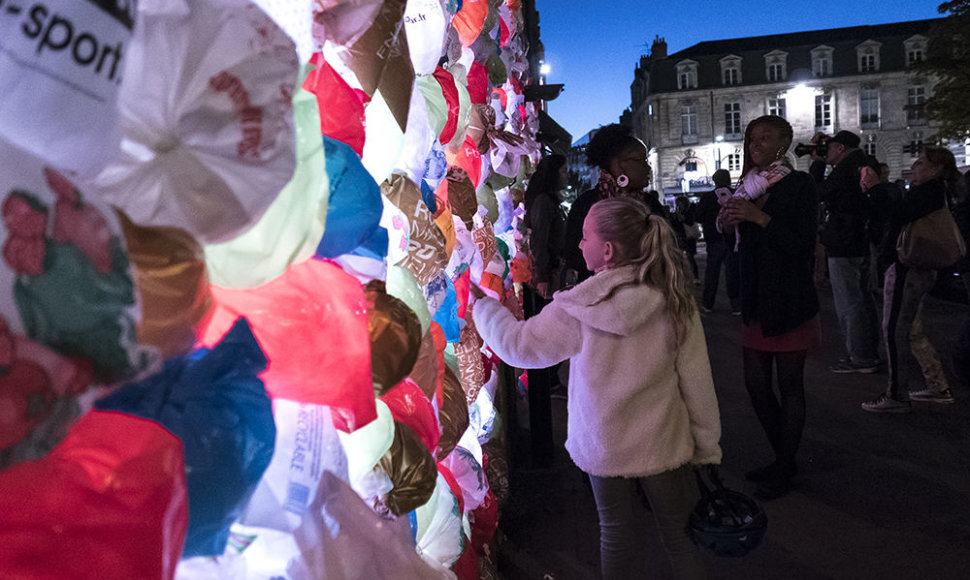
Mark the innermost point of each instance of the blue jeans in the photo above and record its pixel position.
(855, 308)
(672, 496)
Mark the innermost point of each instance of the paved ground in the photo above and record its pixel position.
(878, 496)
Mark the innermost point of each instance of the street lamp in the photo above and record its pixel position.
(717, 151)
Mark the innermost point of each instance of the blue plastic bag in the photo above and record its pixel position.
(355, 204)
(214, 401)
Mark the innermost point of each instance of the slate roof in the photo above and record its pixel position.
(798, 45)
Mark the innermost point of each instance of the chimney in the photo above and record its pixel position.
(659, 48)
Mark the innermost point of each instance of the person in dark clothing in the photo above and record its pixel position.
(844, 236)
(684, 224)
(960, 350)
(720, 246)
(779, 306)
(624, 172)
(546, 223)
(934, 176)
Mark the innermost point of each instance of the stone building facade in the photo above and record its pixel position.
(691, 107)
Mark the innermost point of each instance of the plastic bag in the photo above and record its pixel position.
(112, 491)
(441, 539)
(395, 337)
(411, 469)
(426, 256)
(402, 285)
(62, 62)
(307, 445)
(411, 406)
(292, 227)
(341, 108)
(67, 279)
(452, 414)
(425, 22)
(312, 324)
(215, 403)
(355, 205)
(380, 60)
(172, 283)
(208, 130)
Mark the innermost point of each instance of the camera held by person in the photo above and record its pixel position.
(819, 148)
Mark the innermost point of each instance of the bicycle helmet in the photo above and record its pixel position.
(724, 521)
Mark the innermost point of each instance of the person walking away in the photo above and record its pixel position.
(687, 232)
(934, 176)
(779, 306)
(624, 172)
(546, 222)
(843, 235)
(720, 246)
(642, 411)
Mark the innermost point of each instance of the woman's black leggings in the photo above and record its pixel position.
(782, 415)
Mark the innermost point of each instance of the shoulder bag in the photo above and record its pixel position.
(931, 242)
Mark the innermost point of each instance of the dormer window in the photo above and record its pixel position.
(731, 70)
(776, 66)
(867, 55)
(822, 61)
(687, 74)
(915, 47)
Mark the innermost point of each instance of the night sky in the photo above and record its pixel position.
(593, 46)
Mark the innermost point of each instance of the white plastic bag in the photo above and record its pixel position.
(61, 63)
(207, 118)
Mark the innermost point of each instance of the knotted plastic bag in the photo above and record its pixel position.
(65, 279)
(312, 324)
(292, 227)
(355, 206)
(411, 406)
(172, 283)
(411, 469)
(208, 129)
(214, 401)
(109, 502)
(395, 337)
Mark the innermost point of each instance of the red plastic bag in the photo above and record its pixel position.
(341, 107)
(109, 502)
(312, 325)
(409, 405)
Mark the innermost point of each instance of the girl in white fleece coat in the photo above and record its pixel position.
(641, 404)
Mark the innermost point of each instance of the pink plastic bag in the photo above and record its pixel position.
(312, 325)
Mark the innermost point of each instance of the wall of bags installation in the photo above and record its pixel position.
(237, 243)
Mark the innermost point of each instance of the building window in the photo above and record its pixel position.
(732, 119)
(731, 70)
(869, 107)
(776, 65)
(868, 55)
(688, 120)
(822, 61)
(916, 96)
(823, 112)
(687, 75)
(734, 162)
(776, 72)
(776, 106)
(870, 145)
(915, 47)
